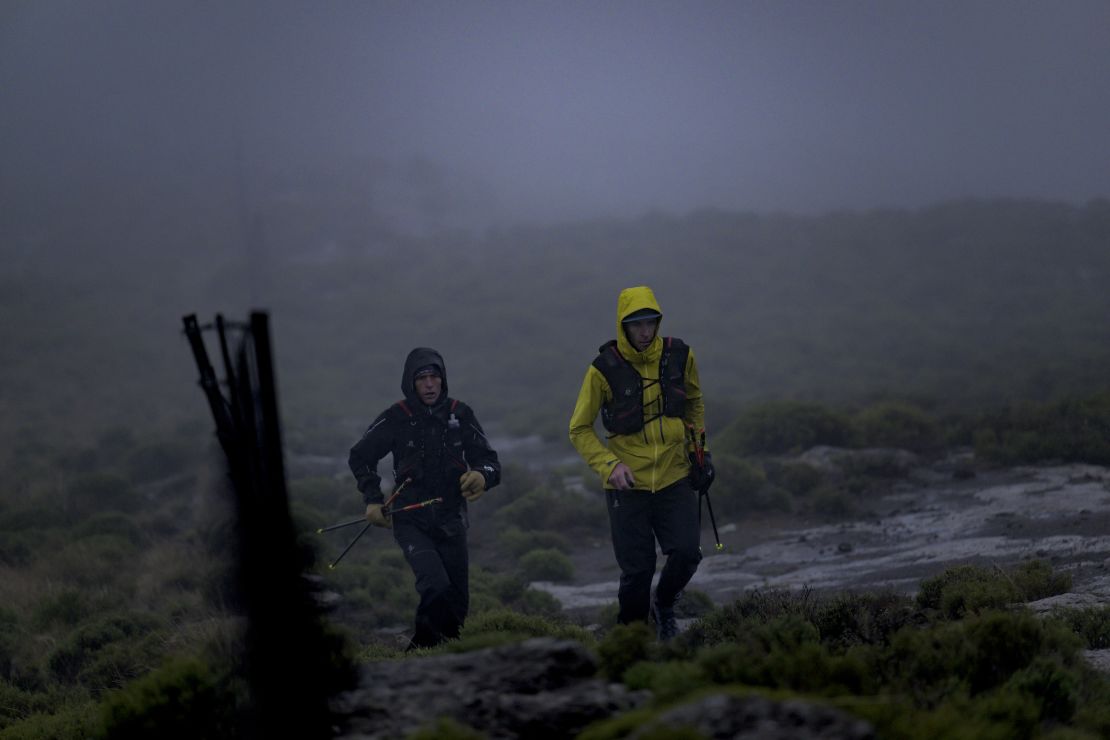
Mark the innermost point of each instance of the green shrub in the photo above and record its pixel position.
(539, 603)
(1073, 430)
(505, 625)
(731, 623)
(540, 509)
(1092, 624)
(17, 703)
(797, 478)
(74, 720)
(445, 728)
(546, 565)
(1049, 686)
(493, 591)
(900, 425)
(112, 524)
(965, 589)
(694, 604)
(515, 541)
(66, 608)
(780, 427)
(980, 654)
(185, 698)
(1036, 580)
(82, 648)
(624, 646)
(97, 492)
(862, 619)
(738, 485)
(668, 680)
(328, 495)
(786, 653)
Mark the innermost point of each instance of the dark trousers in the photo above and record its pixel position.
(436, 551)
(636, 519)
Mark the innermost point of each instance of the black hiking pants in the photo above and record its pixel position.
(637, 519)
(435, 548)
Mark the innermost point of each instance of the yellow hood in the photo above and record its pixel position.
(629, 301)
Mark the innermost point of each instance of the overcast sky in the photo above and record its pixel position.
(559, 109)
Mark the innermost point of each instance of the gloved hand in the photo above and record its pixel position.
(375, 514)
(702, 476)
(473, 485)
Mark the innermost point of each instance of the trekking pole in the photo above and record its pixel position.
(331, 566)
(410, 507)
(351, 523)
(712, 520)
(347, 549)
(698, 442)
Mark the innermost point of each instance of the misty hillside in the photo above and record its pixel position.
(963, 304)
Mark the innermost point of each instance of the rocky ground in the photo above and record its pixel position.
(935, 517)
(928, 521)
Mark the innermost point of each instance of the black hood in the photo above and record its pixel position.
(417, 359)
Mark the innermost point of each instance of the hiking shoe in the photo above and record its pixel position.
(665, 624)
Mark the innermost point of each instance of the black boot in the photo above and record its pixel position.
(666, 625)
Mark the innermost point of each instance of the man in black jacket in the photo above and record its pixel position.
(439, 452)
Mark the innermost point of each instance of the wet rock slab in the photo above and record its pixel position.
(928, 521)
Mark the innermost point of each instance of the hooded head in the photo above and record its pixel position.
(421, 361)
(637, 304)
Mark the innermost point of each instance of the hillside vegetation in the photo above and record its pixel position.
(972, 324)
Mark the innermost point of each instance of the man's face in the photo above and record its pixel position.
(428, 388)
(640, 333)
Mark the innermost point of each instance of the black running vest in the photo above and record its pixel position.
(412, 458)
(624, 414)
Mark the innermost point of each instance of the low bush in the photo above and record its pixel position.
(72, 719)
(1072, 430)
(93, 493)
(112, 524)
(327, 495)
(544, 510)
(966, 589)
(1092, 624)
(501, 626)
(445, 728)
(184, 698)
(65, 608)
(797, 478)
(782, 427)
(546, 565)
(82, 648)
(862, 619)
(624, 646)
(900, 425)
(738, 486)
(514, 541)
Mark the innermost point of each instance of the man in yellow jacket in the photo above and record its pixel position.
(646, 389)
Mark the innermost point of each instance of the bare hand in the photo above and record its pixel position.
(621, 477)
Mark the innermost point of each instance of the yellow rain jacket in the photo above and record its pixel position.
(657, 454)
